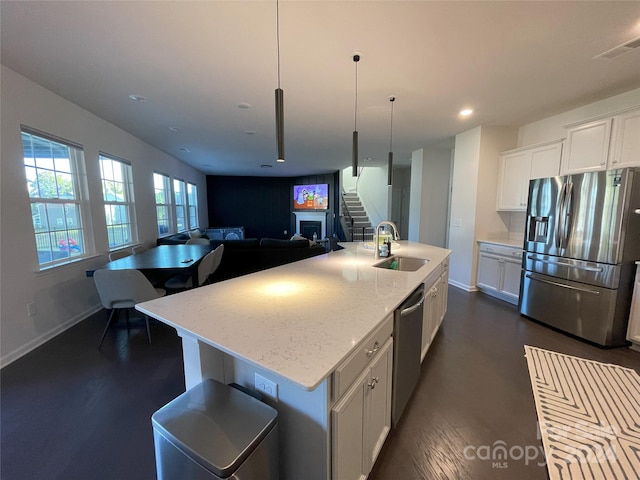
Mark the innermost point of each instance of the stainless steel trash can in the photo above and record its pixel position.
(212, 432)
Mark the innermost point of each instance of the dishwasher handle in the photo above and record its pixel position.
(414, 307)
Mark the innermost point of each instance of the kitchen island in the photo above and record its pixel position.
(304, 329)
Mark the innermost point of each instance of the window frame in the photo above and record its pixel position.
(192, 206)
(180, 208)
(168, 193)
(76, 242)
(128, 202)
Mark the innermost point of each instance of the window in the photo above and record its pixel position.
(192, 203)
(53, 180)
(163, 202)
(181, 204)
(117, 190)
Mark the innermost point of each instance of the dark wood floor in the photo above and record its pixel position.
(70, 411)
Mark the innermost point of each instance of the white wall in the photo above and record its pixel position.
(473, 201)
(372, 189)
(63, 295)
(429, 196)
(552, 128)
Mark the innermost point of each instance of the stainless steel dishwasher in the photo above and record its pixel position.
(407, 343)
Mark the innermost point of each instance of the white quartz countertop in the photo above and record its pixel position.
(299, 320)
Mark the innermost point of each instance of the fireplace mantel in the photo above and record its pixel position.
(312, 217)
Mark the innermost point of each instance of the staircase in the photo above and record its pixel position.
(362, 228)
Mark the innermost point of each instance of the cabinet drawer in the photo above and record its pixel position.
(349, 370)
(501, 250)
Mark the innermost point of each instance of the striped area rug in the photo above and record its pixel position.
(588, 414)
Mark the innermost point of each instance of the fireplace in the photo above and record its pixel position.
(309, 227)
(309, 222)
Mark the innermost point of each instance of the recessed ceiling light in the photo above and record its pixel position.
(466, 112)
(206, 165)
(174, 129)
(138, 98)
(244, 105)
(249, 132)
(184, 149)
(266, 165)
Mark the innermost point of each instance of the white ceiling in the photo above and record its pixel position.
(195, 62)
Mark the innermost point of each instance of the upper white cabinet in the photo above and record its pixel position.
(625, 151)
(603, 144)
(519, 166)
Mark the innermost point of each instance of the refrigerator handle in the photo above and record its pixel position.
(566, 218)
(560, 215)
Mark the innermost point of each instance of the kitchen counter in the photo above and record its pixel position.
(299, 320)
(308, 335)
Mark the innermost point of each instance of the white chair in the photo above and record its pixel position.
(119, 254)
(123, 289)
(139, 249)
(198, 241)
(206, 268)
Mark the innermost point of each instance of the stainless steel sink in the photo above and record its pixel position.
(404, 264)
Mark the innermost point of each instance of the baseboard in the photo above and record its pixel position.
(45, 337)
(466, 288)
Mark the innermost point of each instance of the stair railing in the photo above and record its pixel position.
(346, 219)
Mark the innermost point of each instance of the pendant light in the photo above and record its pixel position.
(390, 166)
(354, 161)
(279, 97)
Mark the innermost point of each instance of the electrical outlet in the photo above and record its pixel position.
(285, 232)
(267, 387)
(31, 309)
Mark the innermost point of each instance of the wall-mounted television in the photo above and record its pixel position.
(311, 197)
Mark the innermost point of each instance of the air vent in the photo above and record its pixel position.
(620, 50)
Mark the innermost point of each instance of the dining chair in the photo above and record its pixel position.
(206, 268)
(198, 241)
(139, 249)
(122, 290)
(119, 254)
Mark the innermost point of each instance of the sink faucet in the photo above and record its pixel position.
(376, 235)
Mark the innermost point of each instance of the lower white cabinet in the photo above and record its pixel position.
(633, 332)
(361, 419)
(499, 271)
(435, 307)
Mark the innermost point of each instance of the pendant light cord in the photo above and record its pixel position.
(391, 99)
(278, 36)
(356, 59)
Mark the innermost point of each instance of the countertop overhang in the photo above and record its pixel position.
(299, 320)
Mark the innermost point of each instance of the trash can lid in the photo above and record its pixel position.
(215, 425)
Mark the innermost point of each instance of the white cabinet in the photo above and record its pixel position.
(513, 177)
(603, 144)
(499, 270)
(519, 166)
(361, 419)
(625, 150)
(633, 332)
(587, 147)
(435, 306)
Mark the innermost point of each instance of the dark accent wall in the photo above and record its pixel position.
(263, 205)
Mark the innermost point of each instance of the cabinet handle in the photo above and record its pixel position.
(372, 383)
(376, 347)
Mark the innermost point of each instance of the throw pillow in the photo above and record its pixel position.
(195, 234)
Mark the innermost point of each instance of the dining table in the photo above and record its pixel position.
(164, 261)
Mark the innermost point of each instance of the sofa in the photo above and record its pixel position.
(250, 255)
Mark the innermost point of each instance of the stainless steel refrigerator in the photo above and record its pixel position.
(581, 241)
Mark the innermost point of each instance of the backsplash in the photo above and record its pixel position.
(517, 226)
